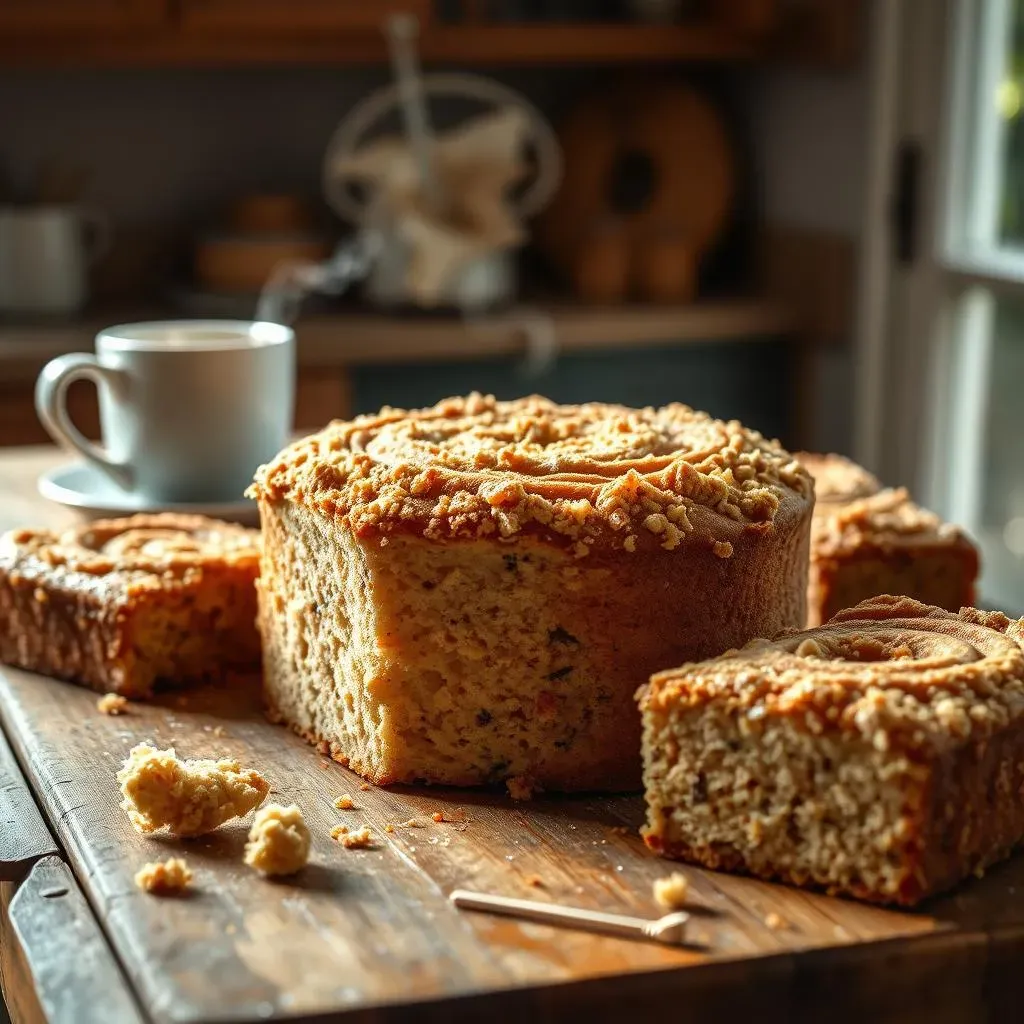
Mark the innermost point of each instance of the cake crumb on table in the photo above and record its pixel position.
(278, 841)
(112, 704)
(338, 831)
(345, 803)
(164, 877)
(671, 891)
(521, 788)
(389, 827)
(775, 921)
(361, 839)
(535, 881)
(188, 798)
(437, 816)
(219, 731)
(412, 823)
(366, 787)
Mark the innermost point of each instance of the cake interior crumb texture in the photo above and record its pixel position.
(278, 840)
(420, 662)
(880, 756)
(188, 798)
(811, 809)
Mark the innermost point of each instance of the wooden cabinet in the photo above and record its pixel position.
(244, 16)
(56, 17)
(224, 33)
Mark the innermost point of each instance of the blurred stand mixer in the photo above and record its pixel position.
(438, 217)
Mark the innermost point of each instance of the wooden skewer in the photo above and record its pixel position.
(670, 929)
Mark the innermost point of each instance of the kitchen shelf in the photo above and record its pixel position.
(360, 339)
(505, 44)
(579, 43)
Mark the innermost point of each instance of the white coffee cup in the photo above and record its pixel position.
(45, 253)
(188, 408)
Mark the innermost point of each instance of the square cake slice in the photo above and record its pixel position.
(866, 541)
(880, 756)
(120, 604)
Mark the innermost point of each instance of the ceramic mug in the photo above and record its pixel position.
(45, 254)
(188, 408)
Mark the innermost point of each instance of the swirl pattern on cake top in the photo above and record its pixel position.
(899, 672)
(143, 544)
(476, 467)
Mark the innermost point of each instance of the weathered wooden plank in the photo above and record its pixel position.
(363, 929)
(24, 837)
(77, 980)
(17, 988)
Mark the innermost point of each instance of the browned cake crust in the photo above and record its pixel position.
(837, 479)
(119, 604)
(867, 541)
(471, 593)
(879, 756)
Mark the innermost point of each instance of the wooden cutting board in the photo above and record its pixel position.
(369, 934)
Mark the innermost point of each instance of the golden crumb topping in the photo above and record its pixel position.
(838, 479)
(188, 798)
(895, 671)
(886, 519)
(671, 891)
(476, 467)
(164, 877)
(278, 841)
(112, 704)
(143, 549)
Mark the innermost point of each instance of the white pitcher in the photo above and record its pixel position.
(45, 255)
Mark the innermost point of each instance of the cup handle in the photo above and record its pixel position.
(97, 233)
(51, 405)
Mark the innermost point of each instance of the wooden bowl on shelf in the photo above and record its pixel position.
(653, 160)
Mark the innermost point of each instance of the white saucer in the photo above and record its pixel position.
(81, 486)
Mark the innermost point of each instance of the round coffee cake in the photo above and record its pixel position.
(472, 593)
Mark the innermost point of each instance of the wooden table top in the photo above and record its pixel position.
(370, 934)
